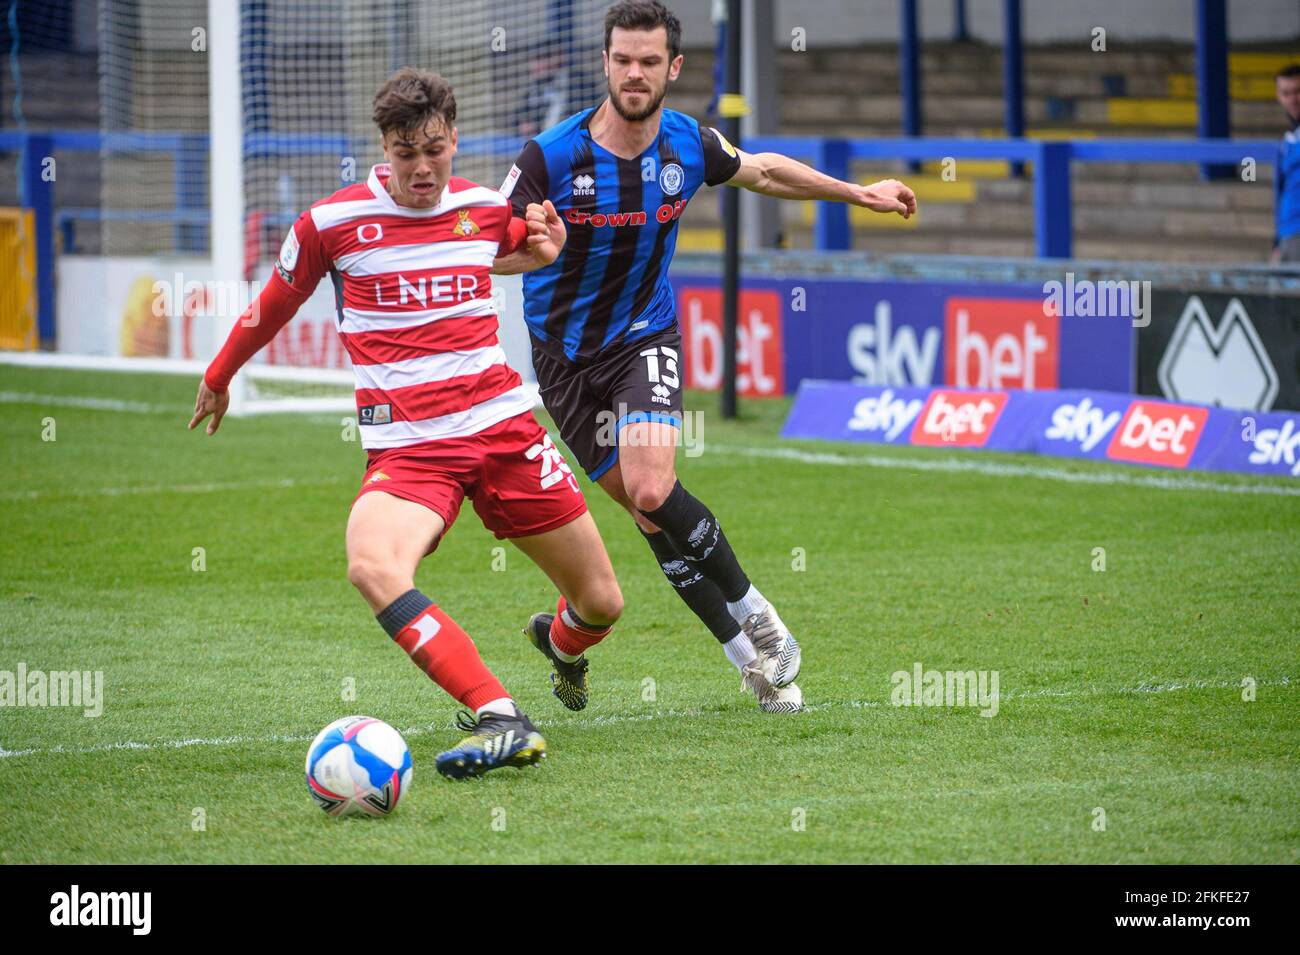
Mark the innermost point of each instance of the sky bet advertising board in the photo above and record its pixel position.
(905, 334)
(1127, 429)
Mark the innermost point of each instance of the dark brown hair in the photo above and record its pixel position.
(1289, 71)
(410, 98)
(644, 15)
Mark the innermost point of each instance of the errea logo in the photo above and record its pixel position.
(584, 185)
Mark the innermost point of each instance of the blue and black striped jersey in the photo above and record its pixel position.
(610, 284)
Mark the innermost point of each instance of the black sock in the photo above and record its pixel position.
(700, 594)
(402, 611)
(696, 534)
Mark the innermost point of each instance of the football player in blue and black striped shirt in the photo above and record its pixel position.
(604, 328)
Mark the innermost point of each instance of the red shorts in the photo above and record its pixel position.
(515, 475)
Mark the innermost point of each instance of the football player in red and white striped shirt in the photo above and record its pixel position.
(441, 414)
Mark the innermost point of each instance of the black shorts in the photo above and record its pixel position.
(634, 381)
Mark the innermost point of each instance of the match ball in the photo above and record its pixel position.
(358, 766)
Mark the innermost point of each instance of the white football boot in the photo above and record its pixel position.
(778, 651)
(771, 699)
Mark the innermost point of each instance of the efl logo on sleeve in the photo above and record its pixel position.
(962, 419)
(508, 186)
(289, 250)
(1158, 433)
(1000, 343)
(288, 260)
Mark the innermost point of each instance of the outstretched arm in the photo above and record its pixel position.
(784, 178)
(260, 322)
(301, 265)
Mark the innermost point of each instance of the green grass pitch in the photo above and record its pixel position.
(1121, 690)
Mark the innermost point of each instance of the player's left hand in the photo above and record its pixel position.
(546, 232)
(888, 195)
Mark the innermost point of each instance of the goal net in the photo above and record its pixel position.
(221, 120)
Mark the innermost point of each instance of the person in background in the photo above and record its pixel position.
(1286, 173)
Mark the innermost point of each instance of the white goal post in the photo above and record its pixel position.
(222, 120)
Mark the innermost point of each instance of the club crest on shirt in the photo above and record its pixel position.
(377, 476)
(670, 179)
(466, 227)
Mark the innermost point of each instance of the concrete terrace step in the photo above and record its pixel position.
(1122, 250)
(990, 217)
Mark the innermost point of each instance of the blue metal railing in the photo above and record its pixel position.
(1053, 226)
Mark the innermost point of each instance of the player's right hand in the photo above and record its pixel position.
(210, 402)
(546, 232)
(888, 195)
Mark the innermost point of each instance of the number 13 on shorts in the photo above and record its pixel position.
(669, 373)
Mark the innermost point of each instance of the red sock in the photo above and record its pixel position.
(571, 637)
(445, 652)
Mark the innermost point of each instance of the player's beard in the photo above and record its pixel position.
(642, 114)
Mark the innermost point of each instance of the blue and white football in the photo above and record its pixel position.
(358, 765)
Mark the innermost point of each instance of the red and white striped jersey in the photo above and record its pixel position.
(415, 308)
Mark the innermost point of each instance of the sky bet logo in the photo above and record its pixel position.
(1278, 446)
(1000, 343)
(886, 413)
(1081, 424)
(1158, 433)
(963, 419)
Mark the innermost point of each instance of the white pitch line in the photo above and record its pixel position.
(949, 465)
(612, 719)
(785, 454)
(85, 401)
(998, 469)
(207, 488)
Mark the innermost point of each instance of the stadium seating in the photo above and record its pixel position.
(1121, 211)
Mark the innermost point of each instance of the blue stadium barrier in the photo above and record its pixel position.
(1053, 226)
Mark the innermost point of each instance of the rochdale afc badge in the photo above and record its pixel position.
(670, 179)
